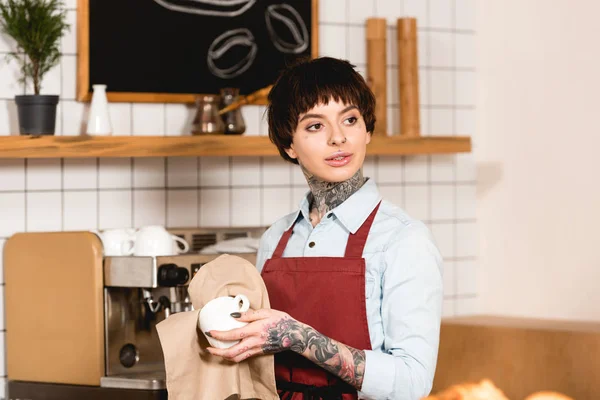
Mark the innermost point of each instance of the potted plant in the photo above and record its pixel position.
(37, 27)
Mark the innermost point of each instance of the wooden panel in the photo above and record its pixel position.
(377, 70)
(408, 77)
(126, 97)
(54, 307)
(396, 145)
(521, 356)
(83, 54)
(219, 145)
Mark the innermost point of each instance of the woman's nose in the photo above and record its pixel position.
(337, 136)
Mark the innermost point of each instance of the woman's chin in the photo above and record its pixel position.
(339, 174)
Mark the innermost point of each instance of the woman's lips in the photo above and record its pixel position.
(339, 160)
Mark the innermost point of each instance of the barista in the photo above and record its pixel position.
(355, 283)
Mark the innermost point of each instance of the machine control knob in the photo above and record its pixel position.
(128, 355)
(172, 275)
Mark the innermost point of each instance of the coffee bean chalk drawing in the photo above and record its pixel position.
(220, 8)
(291, 24)
(218, 61)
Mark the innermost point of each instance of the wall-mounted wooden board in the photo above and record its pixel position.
(172, 50)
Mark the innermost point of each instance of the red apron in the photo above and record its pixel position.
(327, 293)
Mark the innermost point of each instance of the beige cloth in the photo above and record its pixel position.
(192, 372)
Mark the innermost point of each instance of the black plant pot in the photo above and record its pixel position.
(37, 114)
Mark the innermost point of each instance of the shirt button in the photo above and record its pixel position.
(311, 244)
(329, 216)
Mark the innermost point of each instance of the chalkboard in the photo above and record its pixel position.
(173, 50)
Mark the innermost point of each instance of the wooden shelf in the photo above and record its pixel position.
(171, 146)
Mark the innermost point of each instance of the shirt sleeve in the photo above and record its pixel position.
(264, 250)
(411, 308)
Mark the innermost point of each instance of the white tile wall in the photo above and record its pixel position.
(182, 208)
(44, 211)
(114, 209)
(187, 192)
(182, 172)
(149, 172)
(245, 171)
(13, 174)
(80, 210)
(114, 173)
(80, 173)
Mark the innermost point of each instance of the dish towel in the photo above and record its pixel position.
(192, 372)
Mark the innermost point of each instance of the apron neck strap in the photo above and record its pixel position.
(356, 242)
(354, 247)
(278, 253)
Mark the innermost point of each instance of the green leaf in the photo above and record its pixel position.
(37, 27)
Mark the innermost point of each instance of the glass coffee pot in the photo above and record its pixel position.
(233, 120)
(207, 120)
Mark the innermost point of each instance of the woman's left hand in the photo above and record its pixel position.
(268, 332)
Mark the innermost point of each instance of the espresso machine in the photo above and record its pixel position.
(82, 326)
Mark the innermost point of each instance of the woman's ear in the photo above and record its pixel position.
(291, 153)
(369, 134)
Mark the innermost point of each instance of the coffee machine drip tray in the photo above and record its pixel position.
(141, 380)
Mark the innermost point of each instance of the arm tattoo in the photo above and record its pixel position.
(341, 360)
(344, 361)
(284, 334)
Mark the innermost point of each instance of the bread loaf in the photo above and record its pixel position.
(547, 395)
(484, 390)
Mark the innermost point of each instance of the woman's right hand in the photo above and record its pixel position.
(268, 332)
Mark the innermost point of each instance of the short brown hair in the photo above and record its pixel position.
(302, 86)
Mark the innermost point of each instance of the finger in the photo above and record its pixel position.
(248, 344)
(247, 354)
(253, 315)
(236, 334)
(240, 357)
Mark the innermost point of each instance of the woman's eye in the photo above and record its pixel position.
(314, 127)
(351, 120)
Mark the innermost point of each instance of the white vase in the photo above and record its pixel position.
(99, 119)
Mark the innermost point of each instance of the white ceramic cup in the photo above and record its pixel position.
(215, 315)
(155, 240)
(118, 241)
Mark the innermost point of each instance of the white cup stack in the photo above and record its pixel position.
(151, 240)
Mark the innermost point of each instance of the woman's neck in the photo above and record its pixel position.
(328, 195)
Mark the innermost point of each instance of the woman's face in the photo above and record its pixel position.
(330, 141)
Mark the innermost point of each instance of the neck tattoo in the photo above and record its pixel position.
(328, 195)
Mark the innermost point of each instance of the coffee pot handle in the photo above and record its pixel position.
(127, 247)
(186, 246)
(243, 301)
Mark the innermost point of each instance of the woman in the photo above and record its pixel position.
(355, 284)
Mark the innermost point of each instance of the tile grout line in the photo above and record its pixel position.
(198, 192)
(132, 189)
(455, 191)
(230, 191)
(261, 191)
(98, 193)
(166, 169)
(393, 26)
(428, 78)
(62, 194)
(347, 30)
(26, 168)
(425, 105)
(166, 189)
(272, 186)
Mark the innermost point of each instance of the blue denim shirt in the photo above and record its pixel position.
(403, 286)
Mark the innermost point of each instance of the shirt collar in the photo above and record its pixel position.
(303, 210)
(353, 212)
